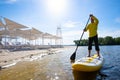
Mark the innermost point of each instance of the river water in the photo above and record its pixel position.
(58, 67)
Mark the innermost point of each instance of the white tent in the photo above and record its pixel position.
(29, 34)
(11, 25)
(35, 31)
(12, 29)
(47, 35)
(1, 25)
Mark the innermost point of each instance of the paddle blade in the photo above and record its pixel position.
(72, 58)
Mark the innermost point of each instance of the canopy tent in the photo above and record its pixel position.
(11, 25)
(4, 32)
(56, 37)
(14, 30)
(35, 31)
(30, 34)
(47, 35)
(1, 28)
(24, 33)
(10, 29)
(1, 25)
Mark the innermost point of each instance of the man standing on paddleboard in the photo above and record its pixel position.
(93, 35)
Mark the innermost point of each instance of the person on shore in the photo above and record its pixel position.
(93, 35)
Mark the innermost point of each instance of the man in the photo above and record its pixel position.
(93, 36)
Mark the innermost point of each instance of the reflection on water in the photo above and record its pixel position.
(58, 66)
(79, 75)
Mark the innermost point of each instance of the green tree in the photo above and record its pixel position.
(108, 40)
(77, 42)
(117, 41)
(101, 41)
(84, 42)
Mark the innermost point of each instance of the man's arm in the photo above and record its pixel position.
(95, 19)
(86, 28)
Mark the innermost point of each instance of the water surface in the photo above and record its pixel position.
(58, 66)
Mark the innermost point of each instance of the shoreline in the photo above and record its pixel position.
(8, 58)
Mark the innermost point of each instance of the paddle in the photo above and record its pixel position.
(72, 57)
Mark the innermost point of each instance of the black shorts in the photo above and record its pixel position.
(95, 39)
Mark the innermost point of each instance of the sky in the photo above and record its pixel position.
(70, 15)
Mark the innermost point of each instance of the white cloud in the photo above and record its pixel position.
(71, 33)
(70, 24)
(109, 33)
(70, 36)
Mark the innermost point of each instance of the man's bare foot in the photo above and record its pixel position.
(98, 54)
(88, 56)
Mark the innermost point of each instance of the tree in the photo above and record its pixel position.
(101, 41)
(77, 42)
(84, 42)
(117, 41)
(108, 40)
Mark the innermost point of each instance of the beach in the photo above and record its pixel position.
(9, 58)
(34, 65)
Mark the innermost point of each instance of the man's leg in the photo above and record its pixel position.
(89, 52)
(98, 54)
(97, 45)
(90, 46)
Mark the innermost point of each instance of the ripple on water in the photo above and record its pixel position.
(58, 67)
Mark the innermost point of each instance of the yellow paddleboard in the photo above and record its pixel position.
(88, 64)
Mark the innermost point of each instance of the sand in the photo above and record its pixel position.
(8, 57)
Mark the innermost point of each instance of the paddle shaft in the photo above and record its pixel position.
(82, 34)
(79, 41)
(74, 54)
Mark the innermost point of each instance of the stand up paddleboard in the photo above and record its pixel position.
(88, 64)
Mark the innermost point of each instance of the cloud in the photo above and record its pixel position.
(8, 1)
(70, 24)
(70, 36)
(109, 33)
(71, 33)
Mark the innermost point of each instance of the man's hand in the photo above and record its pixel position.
(91, 15)
(84, 30)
